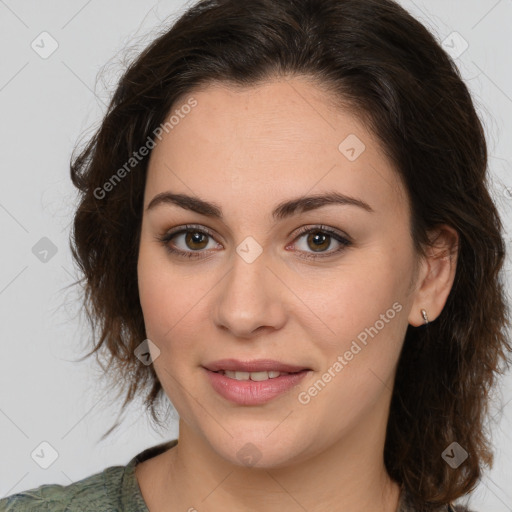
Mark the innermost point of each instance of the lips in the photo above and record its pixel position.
(256, 365)
(250, 392)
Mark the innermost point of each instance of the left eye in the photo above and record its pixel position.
(320, 238)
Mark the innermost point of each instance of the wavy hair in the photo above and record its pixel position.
(373, 56)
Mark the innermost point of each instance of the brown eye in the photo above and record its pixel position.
(189, 241)
(196, 240)
(318, 241)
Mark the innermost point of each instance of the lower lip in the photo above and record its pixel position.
(250, 392)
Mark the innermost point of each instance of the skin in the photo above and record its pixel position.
(247, 150)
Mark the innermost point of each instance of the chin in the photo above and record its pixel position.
(259, 449)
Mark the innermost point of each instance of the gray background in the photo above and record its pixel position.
(47, 104)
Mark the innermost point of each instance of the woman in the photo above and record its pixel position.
(284, 225)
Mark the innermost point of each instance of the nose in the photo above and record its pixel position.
(250, 298)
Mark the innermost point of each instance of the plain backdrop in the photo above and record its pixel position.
(48, 102)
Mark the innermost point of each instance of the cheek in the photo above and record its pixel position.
(359, 360)
(171, 300)
(367, 320)
(159, 292)
(151, 285)
(357, 296)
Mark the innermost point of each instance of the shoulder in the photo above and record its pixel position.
(91, 493)
(114, 488)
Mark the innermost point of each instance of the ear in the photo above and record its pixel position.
(436, 275)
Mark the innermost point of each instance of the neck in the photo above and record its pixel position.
(349, 475)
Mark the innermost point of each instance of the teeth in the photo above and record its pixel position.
(257, 376)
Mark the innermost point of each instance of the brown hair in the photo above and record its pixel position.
(375, 57)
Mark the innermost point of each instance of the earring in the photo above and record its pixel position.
(425, 317)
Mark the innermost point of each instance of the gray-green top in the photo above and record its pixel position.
(114, 489)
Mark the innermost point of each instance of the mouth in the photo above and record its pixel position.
(253, 383)
(257, 369)
(255, 376)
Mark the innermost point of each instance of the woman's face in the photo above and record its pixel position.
(255, 288)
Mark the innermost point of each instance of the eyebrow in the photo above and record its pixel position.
(282, 211)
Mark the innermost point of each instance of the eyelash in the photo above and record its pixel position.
(169, 235)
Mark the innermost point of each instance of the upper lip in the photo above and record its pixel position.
(256, 365)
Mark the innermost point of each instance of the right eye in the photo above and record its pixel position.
(194, 238)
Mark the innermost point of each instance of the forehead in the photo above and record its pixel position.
(278, 139)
